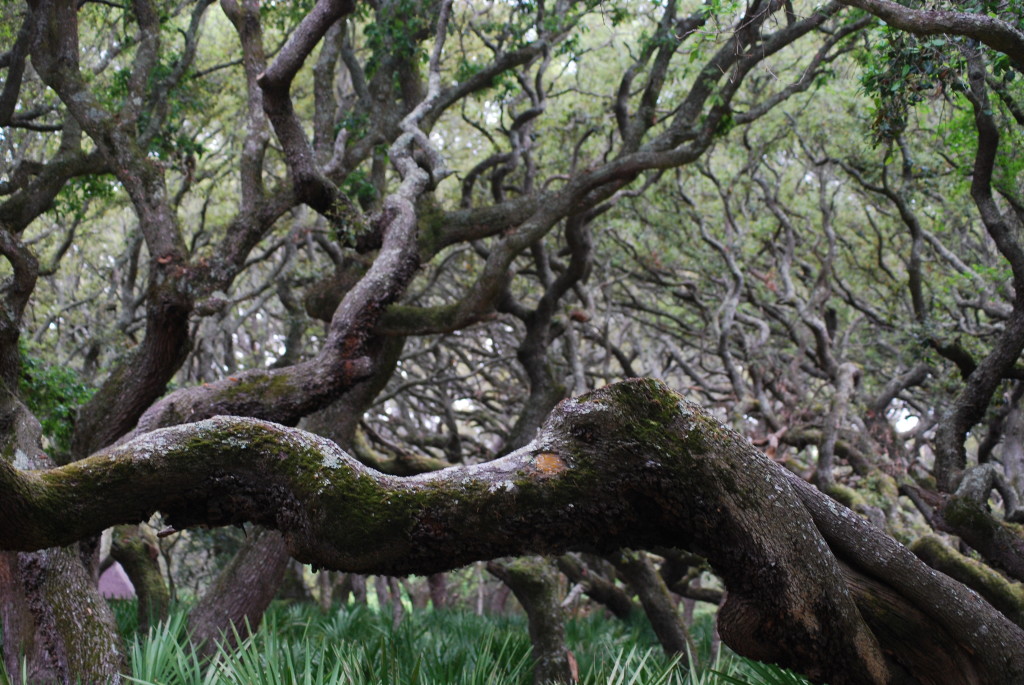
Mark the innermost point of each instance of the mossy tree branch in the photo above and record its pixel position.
(632, 464)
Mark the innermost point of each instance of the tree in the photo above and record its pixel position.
(459, 173)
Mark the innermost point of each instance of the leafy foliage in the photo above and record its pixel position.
(901, 70)
(53, 392)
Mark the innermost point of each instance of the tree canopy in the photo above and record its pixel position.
(337, 268)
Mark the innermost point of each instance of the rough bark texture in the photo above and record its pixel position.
(235, 603)
(632, 464)
(535, 585)
(325, 586)
(50, 602)
(1005, 595)
(61, 626)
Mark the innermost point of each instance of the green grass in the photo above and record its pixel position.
(296, 644)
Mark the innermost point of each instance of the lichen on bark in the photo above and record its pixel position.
(629, 465)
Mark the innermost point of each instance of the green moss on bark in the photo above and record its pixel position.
(1005, 595)
(269, 386)
(961, 512)
(82, 622)
(405, 319)
(848, 497)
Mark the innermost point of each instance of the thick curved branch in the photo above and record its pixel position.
(631, 464)
(55, 56)
(912, 377)
(311, 185)
(846, 382)
(973, 400)
(286, 395)
(992, 31)
(1004, 228)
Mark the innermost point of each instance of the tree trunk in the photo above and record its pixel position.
(325, 585)
(389, 598)
(54, 617)
(50, 610)
(343, 590)
(380, 589)
(419, 593)
(137, 551)
(397, 608)
(1012, 456)
(498, 599)
(657, 602)
(358, 582)
(438, 583)
(235, 603)
(535, 584)
(293, 586)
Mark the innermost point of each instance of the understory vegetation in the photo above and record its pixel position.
(356, 644)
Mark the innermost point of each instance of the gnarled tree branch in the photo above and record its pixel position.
(632, 464)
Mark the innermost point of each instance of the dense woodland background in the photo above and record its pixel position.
(415, 227)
